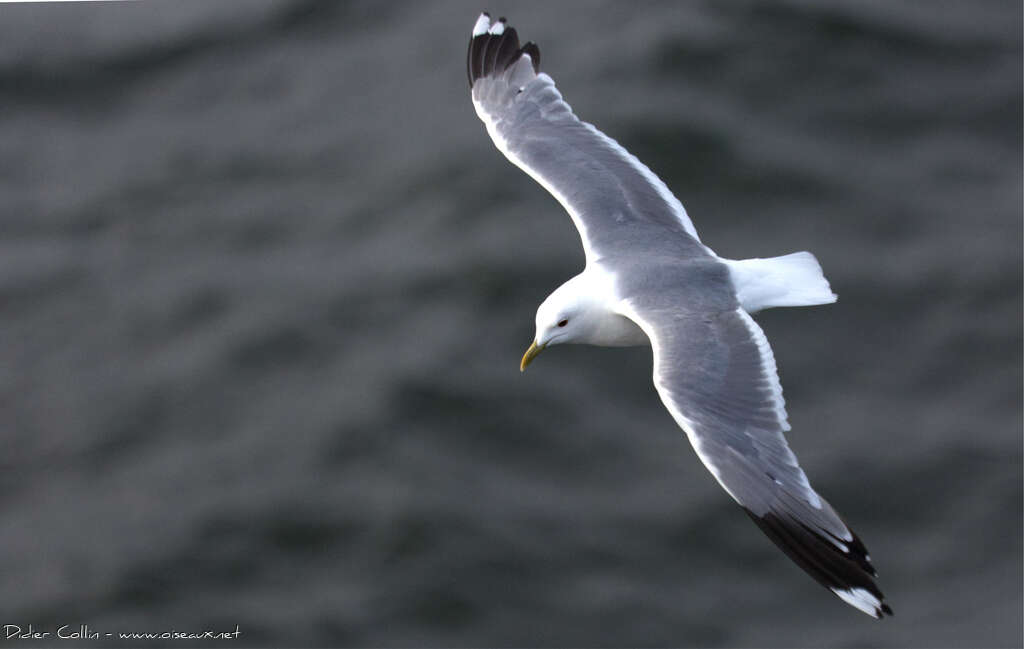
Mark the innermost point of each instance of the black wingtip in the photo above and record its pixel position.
(533, 51)
(849, 574)
(491, 53)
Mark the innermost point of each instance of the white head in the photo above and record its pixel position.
(572, 314)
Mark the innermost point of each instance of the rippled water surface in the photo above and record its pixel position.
(265, 283)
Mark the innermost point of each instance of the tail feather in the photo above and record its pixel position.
(790, 280)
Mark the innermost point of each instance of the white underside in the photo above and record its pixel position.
(790, 280)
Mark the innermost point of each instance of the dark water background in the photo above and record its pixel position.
(265, 282)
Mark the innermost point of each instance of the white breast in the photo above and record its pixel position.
(614, 330)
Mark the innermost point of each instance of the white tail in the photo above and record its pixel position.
(790, 280)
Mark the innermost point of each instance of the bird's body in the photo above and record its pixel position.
(650, 280)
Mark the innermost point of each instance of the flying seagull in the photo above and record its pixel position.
(650, 280)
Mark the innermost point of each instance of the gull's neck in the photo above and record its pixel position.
(594, 296)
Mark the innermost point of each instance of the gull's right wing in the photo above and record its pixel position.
(600, 184)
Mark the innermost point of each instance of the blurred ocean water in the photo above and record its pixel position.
(265, 283)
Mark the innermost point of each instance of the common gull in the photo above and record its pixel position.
(650, 280)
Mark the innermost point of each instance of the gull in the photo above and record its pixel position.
(649, 280)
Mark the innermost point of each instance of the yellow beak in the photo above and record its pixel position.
(530, 354)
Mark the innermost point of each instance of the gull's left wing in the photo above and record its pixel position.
(715, 372)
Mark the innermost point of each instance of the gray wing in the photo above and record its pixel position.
(610, 195)
(715, 372)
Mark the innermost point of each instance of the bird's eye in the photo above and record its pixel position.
(563, 323)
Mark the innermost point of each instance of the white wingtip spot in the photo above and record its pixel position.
(498, 27)
(482, 24)
(861, 600)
